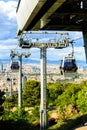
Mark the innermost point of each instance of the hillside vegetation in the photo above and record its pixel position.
(69, 99)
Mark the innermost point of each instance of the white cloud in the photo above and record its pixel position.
(8, 42)
(8, 22)
(6, 46)
(8, 9)
(80, 53)
(8, 27)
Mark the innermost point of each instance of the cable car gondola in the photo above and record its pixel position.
(68, 64)
(15, 65)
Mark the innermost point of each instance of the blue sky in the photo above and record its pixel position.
(8, 30)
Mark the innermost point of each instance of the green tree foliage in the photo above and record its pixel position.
(31, 93)
(11, 102)
(36, 113)
(64, 96)
(82, 99)
(57, 93)
(2, 99)
(69, 96)
(75, 94)
(54, 90)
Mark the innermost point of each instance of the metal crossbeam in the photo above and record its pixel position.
(43, 45)
(45, 32)
(57, 45)
(61, 40)
(13, 54)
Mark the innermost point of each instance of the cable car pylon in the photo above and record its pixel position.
(19, 55)
(57, 44)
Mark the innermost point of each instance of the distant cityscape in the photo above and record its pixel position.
(31, 71)
(80, 64)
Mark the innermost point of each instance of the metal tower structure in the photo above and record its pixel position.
(19, 55)
(57, 44)
(10, 80)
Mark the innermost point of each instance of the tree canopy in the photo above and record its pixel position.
(31, 93)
